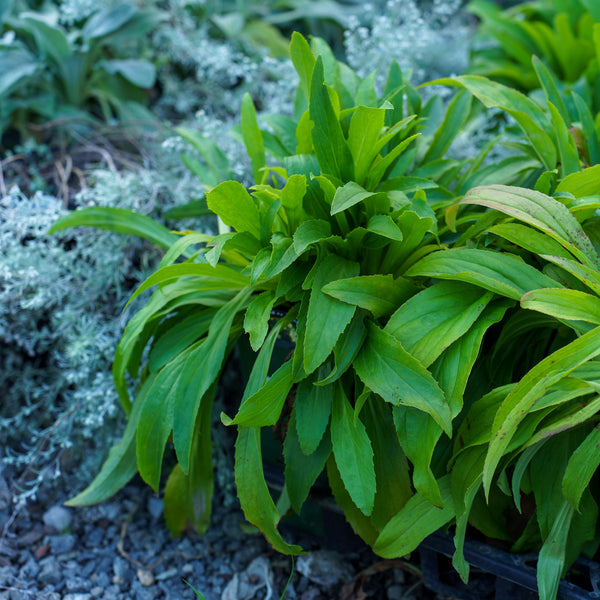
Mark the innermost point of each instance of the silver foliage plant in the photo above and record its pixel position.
(60, 320)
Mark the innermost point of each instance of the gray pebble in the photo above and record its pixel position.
(50, 570)
(78, 584)
(325, 568)
(94, 538)
(120, 567)
(166, 574)
(395, 592)
(77, 597)
(61, 544)
(30, 569)
(57, 517)
(97, 591)
(155, 507)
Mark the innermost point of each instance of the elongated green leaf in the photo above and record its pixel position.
(385, 367)
(552, 554)
(120, 466)
(219, 277)
(201, 369)
(418, 434)
(301, 470)
(587, 275)
(430, 321)
(346, 348)
(252, 490)
(310, 232)
(538, 210)
(582, 465)
(564, 304)
(118, 220)
(303, 61)
(550, 87)
(414, 522)
(210, 152)
(253, 138)
(365, 127)
(504, 274)
(456, 115)
(391, 467)
(582, 183)
(330, 145)
(327, 317)
(380, 294)
(527, 113)
(313, 410)
(265, 405)
(533, 385)
(353, 452)
(567, 152)
(236, 208)
(530, 239)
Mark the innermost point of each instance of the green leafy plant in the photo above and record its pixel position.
(563, 34)
(415, 377)
(52, 74)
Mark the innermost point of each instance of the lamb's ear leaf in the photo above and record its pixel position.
(252, 491)
(121, 464)
(414, 522)
(352, 451)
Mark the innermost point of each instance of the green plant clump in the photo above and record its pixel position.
(445, 323)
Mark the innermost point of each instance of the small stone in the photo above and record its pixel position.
(166, 574)
(118, 580)
(30, 569)
(61, 544)
(51, 571)
(77, 597)
(97, 591)
(57, 517)
(78, 584)
(155, 507)
(145, 577)
(325, 567)
(395, 592)
(120, 567)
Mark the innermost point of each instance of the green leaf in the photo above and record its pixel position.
(256, 320)
(140, 73)
(252, 490)
(327, 317)
(120, 466)
(419, 434)
(385, 367)
(118, 220)
(539, 210)
(302, 470)
(564, 304)
(303, 61)
(504, 274)
(201, 369)
(236, 208)
(349, 195)
(210, 152)
(550, 87)
(414, 522)
(346, 348)
(329, 142)
(380, 294)
(310, 232)
(264, 406)
(527, 113)
(569, 158)
(313, 410)
(365, 127)
(551, 561)
(430, 321)
(531, 387)
(385, 226)
(455, 118)
(582, 465)
(353, 452)
(530, 239)
(176, 496)
(19, 66)
(582, 183)
(253, 139)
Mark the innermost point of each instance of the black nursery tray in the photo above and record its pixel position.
(496, 574)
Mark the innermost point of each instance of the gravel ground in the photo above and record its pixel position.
(121, 550)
